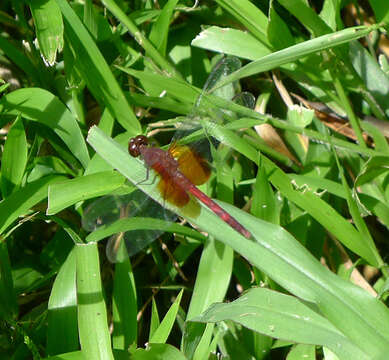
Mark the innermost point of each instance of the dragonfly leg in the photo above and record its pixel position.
(143, 182)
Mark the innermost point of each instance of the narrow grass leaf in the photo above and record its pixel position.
(298, 51)
(90, 19)
(375, 80)
(22, 200)
(249, 15)
(232, 42)
(154, 322)
(49, 165)
(313, 204)
(375, 206)
(164, 103)
(163, 331)
(160, 30)
(367, 240)
(92, 314)
(212, 280)
(48, 28)
(372, 169)
(139, 223)
(8, 300)
(124, 303)
(95, 70)
(69, 192)
(313, 184)
(62, 331)
(307, 16)
(274, 314)
(278, 32)
(14, 159)
(264, 203)
(40, 105)
(330, 13)
(177, 88)
(97, 163)
(141, 39)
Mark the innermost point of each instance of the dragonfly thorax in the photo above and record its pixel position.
(160, 160)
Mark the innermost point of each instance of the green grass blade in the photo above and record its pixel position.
(8, 301)
(274, 314)
(377, 207)
(14, 159)
(124, 304)
(95, 70)
(69, 192)
(154, 322)
(142, 40)
(176, 87)
(250, 16)
(264, 204)
(139, 223)
(163, 331)
(276, 27)
(357, 218)
(232, 42)
(375, 80)
(62, 331)
(92, 314)
(298, 51)
(40, 105)
(316, 207)
(307, 16)
(211, 285)
(21, 201)
(48, 27)
(159, 32)
(302, 351)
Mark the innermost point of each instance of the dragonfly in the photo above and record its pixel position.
(180, 169)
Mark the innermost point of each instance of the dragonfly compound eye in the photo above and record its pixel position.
(135, 144)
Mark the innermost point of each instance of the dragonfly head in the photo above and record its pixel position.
(135, 144)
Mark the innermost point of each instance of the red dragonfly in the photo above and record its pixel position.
(180, 169)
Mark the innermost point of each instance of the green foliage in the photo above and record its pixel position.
(308, 163)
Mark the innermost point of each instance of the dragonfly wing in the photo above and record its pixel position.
(134, 241)
(114, 210)
(172, 193)
(105, 210)
(191, 163)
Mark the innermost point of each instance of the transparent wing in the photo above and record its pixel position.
(190, 130)
(111, 210)
(224, 67)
